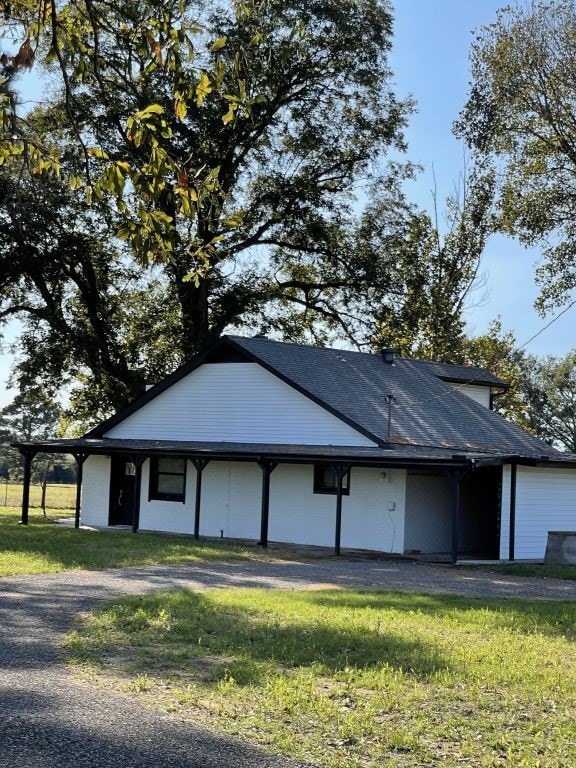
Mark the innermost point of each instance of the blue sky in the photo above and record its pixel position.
(430, 61)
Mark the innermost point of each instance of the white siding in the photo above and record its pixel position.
(428, 526)
(373, 514)
(236, 402)
(299, 515)
(476, 392)
(231, 500)
(95, 491)
(545, 501)
(231, 505)
(505, 513)
(172, 516)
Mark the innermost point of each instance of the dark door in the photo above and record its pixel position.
(122, 488)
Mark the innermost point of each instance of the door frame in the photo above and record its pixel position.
(122, 483)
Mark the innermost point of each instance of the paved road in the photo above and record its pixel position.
(50, 720)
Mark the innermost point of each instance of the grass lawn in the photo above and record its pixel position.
(539, 570)
(58, 495)
(42, 547)
(350, 678)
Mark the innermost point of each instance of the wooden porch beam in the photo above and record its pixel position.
(512, 522)
(137, 460)
(80, 459)
(200, 466)
(27, 457)
(456, 476)
(267, 468)
(339, 470)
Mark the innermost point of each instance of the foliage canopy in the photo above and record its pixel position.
(520, 117)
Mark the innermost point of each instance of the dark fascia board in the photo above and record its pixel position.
(286, 458)
(196, 362)
(154, 391)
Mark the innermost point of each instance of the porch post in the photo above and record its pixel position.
(512, 522)
(200, 465)
(27, 456)
(137, 461)
(339, 470)
(267, 468)
(80, 459)
(456, 476)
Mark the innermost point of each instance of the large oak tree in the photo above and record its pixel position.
(231, 151)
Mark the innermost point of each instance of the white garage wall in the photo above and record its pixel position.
(95, 491)
(545, 501)
(372, 515)
(428, 526)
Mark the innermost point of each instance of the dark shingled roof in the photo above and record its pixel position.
(427, 412)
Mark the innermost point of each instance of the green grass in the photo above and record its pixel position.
(42, 547)
(58, 495)
(539, 570)
(351, 678)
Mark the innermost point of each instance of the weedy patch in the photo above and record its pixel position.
(538, 570)
(350, 678)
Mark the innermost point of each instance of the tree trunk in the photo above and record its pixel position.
(43, 496)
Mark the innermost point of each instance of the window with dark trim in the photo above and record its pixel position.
(325, 480)
(167, 479)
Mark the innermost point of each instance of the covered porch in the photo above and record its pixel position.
(332, 464)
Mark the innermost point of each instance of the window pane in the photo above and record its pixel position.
(171, 465)
(328, 478)
(173, 484)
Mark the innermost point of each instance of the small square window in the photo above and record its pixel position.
(167, 479)
(325, 480)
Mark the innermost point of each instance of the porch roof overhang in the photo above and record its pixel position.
(395, 455)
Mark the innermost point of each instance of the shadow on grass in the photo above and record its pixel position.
(175, 630)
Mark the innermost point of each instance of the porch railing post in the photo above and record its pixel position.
(80, 459)
(339, 470)
(200, 465)
(137, 461)
(267, 468)
(27, 457)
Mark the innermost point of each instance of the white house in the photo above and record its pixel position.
(263, 440)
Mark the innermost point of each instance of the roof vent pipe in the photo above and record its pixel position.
(388, 355)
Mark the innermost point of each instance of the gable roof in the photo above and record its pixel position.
(426, 410)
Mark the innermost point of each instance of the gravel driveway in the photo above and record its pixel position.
(50, 720)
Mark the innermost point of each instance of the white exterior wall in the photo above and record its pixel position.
(428, 526)
(170, 516)
(372, 515)
(95, 491)
(299, 515)
(505, 513)
(545, 501)
(477, 392)
(236, 402)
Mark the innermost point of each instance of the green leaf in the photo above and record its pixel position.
(203, 89)
(218, 44)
